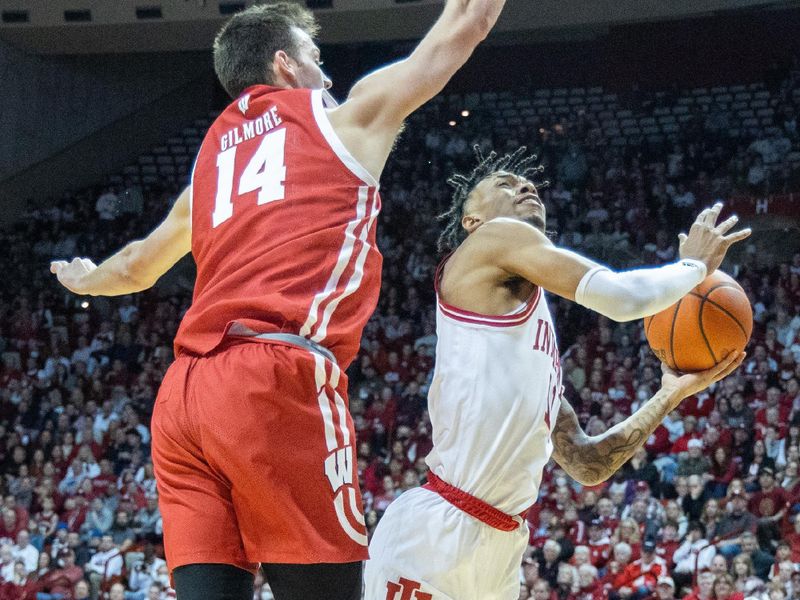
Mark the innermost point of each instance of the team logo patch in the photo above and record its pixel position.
(244, 103)
(405, 589)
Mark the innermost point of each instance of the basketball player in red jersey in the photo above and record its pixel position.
(252, 438)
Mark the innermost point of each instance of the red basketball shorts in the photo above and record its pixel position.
(253, 454)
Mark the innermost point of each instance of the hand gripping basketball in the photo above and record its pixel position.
(693, 383)
(707, 241)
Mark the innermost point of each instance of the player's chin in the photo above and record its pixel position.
(536, 220)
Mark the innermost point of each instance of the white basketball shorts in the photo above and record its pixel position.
(424, 548)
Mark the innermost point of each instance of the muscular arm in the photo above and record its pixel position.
(138, 265)
(592, 460)
(521, 250)
(370, 119)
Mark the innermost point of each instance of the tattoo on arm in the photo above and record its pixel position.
(592, 460)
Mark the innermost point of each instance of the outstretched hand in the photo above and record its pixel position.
(707, 241)
(72, 274)
(687, 385)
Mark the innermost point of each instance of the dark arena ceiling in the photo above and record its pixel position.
(111, 26)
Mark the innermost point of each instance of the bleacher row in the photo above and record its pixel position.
(748, 107)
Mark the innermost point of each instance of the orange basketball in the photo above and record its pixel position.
(695, 334)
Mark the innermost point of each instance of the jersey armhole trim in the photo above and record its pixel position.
(513, 320)
(459, 314)
(326, 128)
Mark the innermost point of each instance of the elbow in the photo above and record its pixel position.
(132, 272)
(590, 481)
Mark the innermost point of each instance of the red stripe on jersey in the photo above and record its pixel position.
(340, 273)
(350, 278)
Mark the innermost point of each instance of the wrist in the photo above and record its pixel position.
(671, 396)
(695, 263)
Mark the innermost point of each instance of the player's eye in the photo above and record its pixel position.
(504, 184)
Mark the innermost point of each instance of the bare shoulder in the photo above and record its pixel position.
(503, 234)
(478, 263)
(369, 143)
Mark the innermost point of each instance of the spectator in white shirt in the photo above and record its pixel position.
(695, 554)
(24, 551)
(6, 562)
(102, 420)
(106, 563)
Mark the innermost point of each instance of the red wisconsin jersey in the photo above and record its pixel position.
(283, 227)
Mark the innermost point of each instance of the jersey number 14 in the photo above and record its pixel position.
(266, 172)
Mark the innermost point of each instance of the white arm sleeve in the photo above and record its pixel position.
(639, 293)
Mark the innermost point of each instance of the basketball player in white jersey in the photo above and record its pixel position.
(496, 401)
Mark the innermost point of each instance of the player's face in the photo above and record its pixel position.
(307, 64)
(506, 195)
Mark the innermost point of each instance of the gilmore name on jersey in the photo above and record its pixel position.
(283, 227)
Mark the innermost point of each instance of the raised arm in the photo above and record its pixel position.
(138, 265)
(521, 250)
(592, 460)
(373, 114)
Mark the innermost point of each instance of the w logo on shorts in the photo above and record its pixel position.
(340, 468)
(406, 589)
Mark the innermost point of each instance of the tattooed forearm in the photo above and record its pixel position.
(592, 460)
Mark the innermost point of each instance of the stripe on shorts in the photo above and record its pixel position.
(321, 378)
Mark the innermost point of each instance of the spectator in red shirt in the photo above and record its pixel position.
(689, 433)
(576, 529)
(704, 589)
(62, 580)
(770, 503)
(724, 589)
(10, 502)
(600, 544)
(793, 539)
(658, 442)
(615, 576)
(640, 577)
(723, 470)
(670, 542)
(698, 406)
(773, 400)
(589, 586)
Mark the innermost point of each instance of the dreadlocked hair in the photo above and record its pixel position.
(516, 163)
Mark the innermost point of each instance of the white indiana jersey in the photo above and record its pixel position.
(494, 399)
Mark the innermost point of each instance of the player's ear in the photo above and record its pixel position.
(471, 222)
(284, 69)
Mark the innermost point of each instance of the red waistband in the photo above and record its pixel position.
(473, 506)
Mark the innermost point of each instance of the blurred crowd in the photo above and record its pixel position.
(707, 509)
